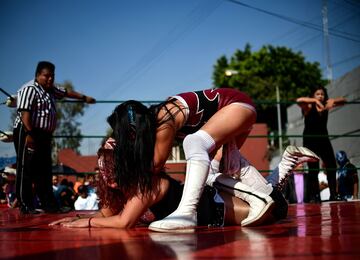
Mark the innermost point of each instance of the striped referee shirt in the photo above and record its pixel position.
(40, 103)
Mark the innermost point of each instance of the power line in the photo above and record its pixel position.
(333, 27)
(305, 40)
(352, 3)
(193, 19)
(346, 60)
(291, 31)
(336, 33)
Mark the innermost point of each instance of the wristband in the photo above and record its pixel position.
(89, 222)
(83, 98)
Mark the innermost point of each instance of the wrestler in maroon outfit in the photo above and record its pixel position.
(204, 104)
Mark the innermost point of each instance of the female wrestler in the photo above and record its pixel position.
(217, 206)
(315, 110)
(119, 210)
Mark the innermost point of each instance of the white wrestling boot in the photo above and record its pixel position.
(292, 157)
(184, 218)
(239, 168)
(261, 205)
(250, 176)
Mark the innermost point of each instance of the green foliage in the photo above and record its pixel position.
(67, 125)
(258, 73)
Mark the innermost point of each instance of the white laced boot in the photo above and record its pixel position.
(237, 166)
(292, 157)
(260, 204)
(250, 176)
(184, 218)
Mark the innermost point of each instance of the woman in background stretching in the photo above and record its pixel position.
(315, 110)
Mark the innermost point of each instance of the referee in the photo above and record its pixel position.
(33, 128)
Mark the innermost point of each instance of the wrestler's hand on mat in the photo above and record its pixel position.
(78, 223)
(64, 220)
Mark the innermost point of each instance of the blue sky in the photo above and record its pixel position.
(149, 50)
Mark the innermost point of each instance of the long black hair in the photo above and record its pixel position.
(134, 131)
(326, 96)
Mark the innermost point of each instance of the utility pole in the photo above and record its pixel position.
(279, 120)
(329, 74)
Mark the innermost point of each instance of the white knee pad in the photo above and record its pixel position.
(197, 146)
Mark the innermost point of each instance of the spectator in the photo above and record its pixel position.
(315, 110)
(90, 181)
(347, 178)
(8, 190)
(55, 182)
(86, 200)
(74, 195)
(64, 196)
(80, 180)
(323, 186)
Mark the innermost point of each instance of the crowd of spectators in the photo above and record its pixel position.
(78, 196)
(67, 198)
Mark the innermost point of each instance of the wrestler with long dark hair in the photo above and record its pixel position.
(219, 204)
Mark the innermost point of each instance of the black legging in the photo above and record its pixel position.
(323, 148)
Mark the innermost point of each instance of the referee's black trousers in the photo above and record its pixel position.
(34, 169)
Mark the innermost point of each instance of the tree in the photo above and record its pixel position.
(258, 74)
(67, 125)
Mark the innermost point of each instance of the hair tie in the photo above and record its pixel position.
(131, 116)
